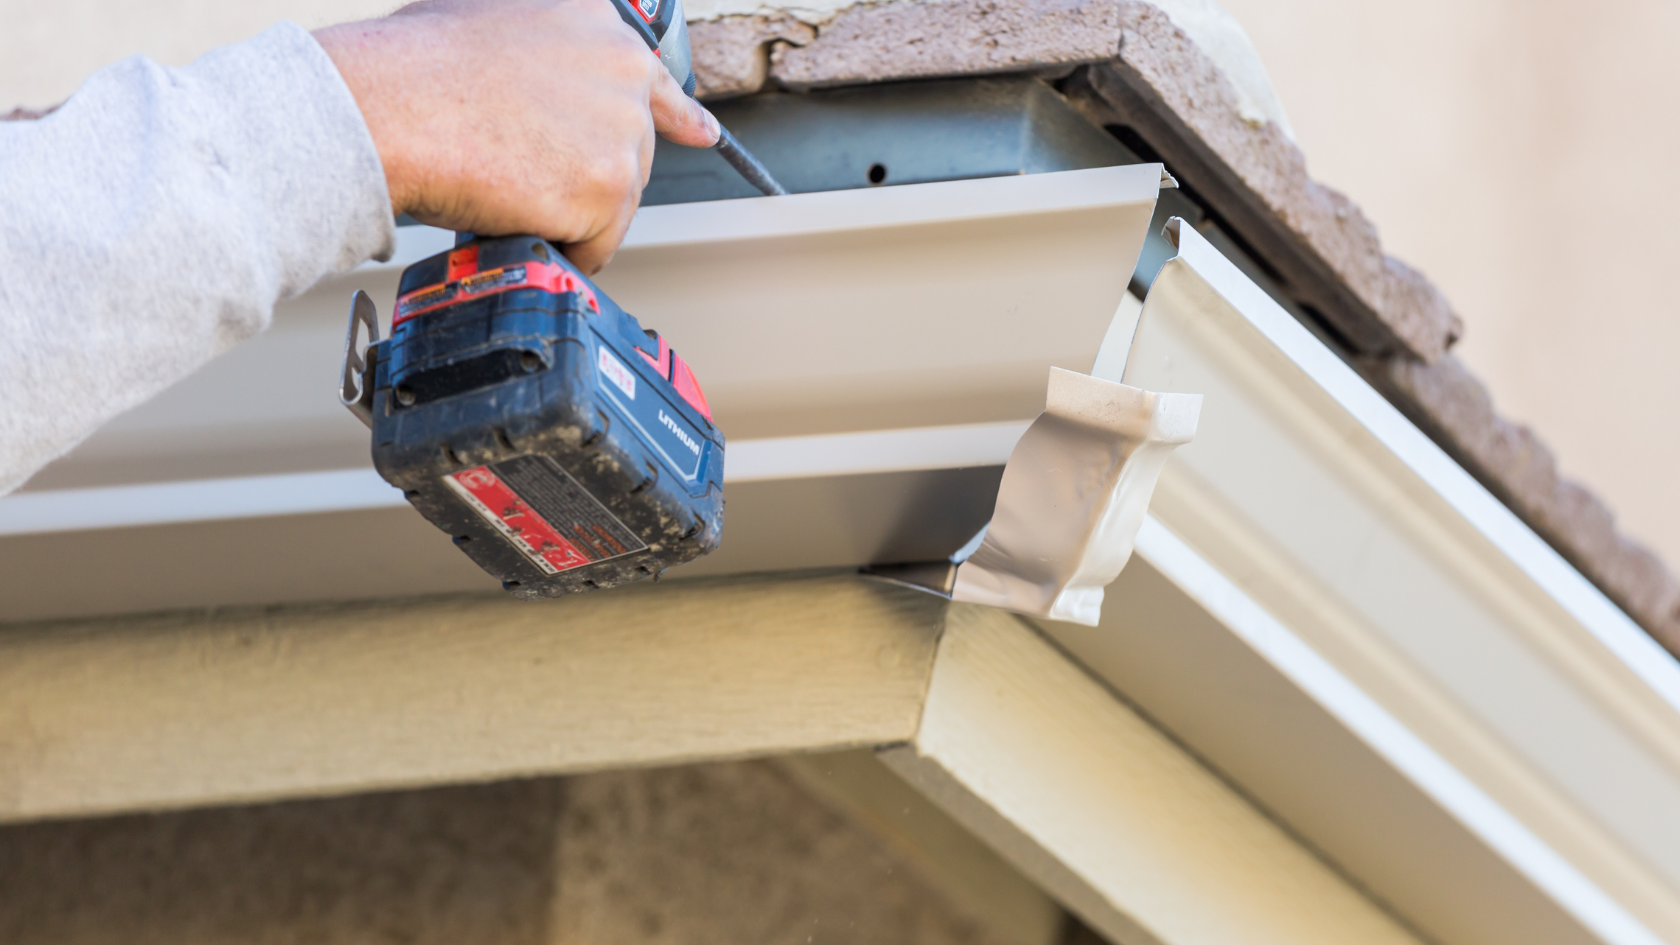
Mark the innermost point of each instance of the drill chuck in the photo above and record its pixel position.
(662, 25)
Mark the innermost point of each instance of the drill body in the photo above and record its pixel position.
(521, 411)
(525, 414)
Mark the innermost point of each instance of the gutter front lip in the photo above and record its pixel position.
(867, 452)
(1315, 498)
(902, 205)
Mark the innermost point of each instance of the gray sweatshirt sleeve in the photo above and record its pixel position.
(156, 217)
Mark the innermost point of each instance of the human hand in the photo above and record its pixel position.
(516, 116)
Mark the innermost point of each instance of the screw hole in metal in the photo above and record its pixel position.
(405, 396)
(509, 585)
(530, 362)
(540, 250)
(502, 439)
(877, 173)
(462, 539)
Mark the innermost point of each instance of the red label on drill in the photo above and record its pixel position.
(544, 513)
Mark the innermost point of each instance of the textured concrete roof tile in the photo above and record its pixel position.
(1192, 85)
(1455, 409)
(732, 55)
(947, 37)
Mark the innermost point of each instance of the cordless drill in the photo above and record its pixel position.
(562, 446)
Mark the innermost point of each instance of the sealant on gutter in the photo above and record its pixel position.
(1073, 497)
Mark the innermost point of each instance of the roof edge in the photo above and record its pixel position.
(1145, 72)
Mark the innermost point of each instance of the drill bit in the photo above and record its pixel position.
(749, 167)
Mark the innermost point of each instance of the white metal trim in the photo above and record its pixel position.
(838, 211)
(203, 500)
(842, 210)
(1596, 613)
(1366, 717)
(197, 500)
(1313, 494)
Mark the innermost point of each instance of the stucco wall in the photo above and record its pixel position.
(733, 854)
(46, 49)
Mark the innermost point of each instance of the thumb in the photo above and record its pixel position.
(678, 117)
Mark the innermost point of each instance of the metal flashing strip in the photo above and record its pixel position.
(1345, 526)
(338, 490)
(890, 134)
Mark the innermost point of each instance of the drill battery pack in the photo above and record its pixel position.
(526, 415)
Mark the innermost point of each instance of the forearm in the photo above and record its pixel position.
(154, 219)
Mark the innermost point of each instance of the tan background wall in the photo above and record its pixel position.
(1518, 151)
(1521, 153)
(46, 49)
(733, 854)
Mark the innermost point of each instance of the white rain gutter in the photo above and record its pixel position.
(872, 356)
(1340, 618)
(1322, 604)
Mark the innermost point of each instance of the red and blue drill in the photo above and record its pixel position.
(563, 447)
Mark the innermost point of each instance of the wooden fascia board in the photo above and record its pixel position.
(199, 709)
(1079, 792)
(1117, 821)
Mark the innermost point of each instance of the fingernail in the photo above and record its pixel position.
(712, 124)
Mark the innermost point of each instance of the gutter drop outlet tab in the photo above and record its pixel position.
(1073, 497)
